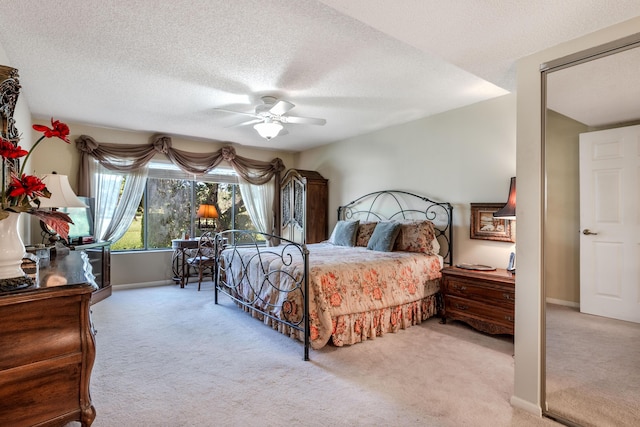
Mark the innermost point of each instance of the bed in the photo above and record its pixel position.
(379, 271)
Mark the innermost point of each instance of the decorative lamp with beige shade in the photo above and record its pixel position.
(62, 196)
(207, 215)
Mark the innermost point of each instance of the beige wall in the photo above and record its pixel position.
(529, 280)
(562, 250)
(461, 156)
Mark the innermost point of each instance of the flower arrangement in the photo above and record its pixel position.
(21, 192)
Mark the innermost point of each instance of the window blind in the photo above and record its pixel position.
(170, 171)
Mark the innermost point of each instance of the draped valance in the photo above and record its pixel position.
(129, 157)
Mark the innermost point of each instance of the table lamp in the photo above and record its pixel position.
(62, 196)
(508, 211)
(208, 213)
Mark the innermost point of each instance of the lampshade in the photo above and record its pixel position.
(268, 129)
(62, 196)
(207, 211)
(508, 211)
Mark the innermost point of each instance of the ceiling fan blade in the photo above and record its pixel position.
(247, 122)
(281, 107)
(223, 110)
(304, 120)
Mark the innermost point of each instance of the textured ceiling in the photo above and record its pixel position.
(361, 64)
(601, 92)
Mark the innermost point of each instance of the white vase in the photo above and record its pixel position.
(11, 248)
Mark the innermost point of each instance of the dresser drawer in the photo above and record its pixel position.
(480, 291)
(28, 339)
(41, 392)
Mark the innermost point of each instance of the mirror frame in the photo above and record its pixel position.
(9, 92)
(597, 52)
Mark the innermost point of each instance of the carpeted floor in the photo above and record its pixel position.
(593, 368)
(170, 357)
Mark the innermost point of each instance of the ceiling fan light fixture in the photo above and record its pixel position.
(268, 129)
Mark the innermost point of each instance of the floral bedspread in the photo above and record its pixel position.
(354, 293)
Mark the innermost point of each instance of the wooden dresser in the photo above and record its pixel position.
(483, 299)
(304, 197)
(47, 347)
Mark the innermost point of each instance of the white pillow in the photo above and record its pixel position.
(436, 246)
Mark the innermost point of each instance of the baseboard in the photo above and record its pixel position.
(526, 405)
(563, 302)
(142, 285)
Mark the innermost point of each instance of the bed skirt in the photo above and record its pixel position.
(358, 327)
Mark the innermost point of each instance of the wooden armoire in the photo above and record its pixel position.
(304, 202)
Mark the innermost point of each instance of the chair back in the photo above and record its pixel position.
(206, 245)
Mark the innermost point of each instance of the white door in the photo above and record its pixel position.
(609, 223)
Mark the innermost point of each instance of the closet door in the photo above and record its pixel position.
(299, 211)
(293, 212)
(286, 209)
(304, 198)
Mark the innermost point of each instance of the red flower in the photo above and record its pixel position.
(10, 151)
(58, 129)
(21, 194)
(28, 185)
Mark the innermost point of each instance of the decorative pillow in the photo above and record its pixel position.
(384, 236)
(415, 236)
(435, 246)
(344, 233)
(365, 230)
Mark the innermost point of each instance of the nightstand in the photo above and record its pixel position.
(483, 299)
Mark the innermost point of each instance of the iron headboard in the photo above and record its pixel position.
(396, 205)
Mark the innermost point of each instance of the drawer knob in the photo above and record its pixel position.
(507, 296)
(462, 307)
(460, 288)
(509, 318)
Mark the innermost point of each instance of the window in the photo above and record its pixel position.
(170, 201)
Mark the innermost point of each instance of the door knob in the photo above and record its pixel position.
(588, 232)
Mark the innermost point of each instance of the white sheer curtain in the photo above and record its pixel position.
(259, 202)
(114, 213)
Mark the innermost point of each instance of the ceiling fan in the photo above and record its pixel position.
(270, 117)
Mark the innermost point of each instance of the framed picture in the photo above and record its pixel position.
(485, 227)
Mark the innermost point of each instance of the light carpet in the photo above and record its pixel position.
(593, 368)
(170, 357)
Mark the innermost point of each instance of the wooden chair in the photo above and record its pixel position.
(204, 257)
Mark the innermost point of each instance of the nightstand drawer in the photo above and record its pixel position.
(480, 291)
(460, 306)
